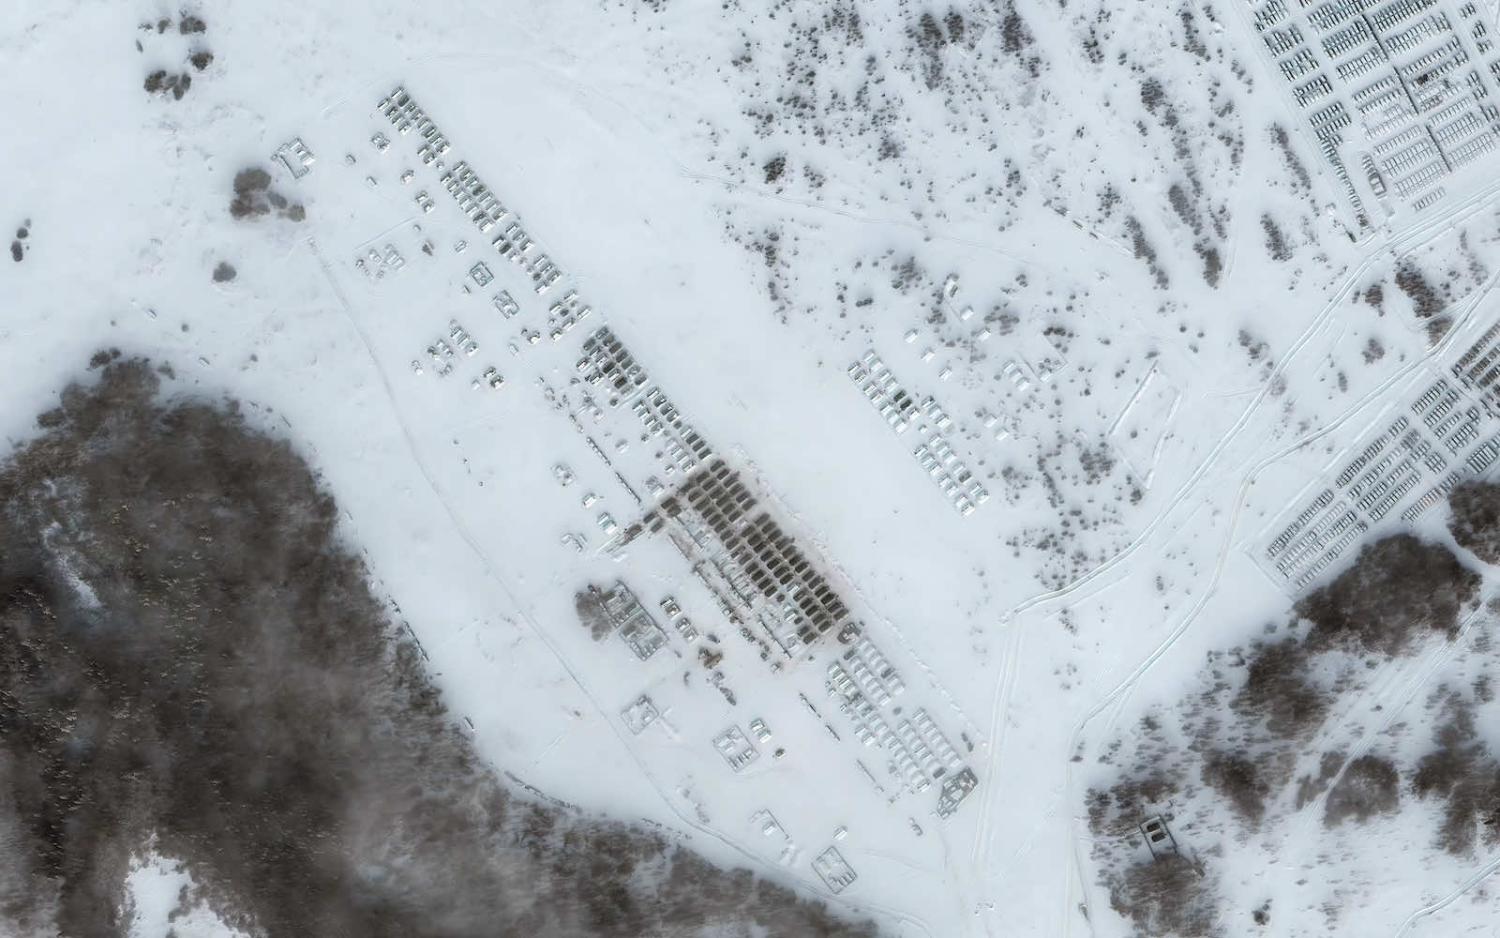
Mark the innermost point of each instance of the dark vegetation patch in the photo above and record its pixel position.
(1144, 251)
(1309, 787)
(1182, 205)
(1169, 895)
(1279, 689)
(1426, 300)
(190, 654)
(589, 604)
(775, 167)
(1152, 95)
(1262, 915)
(162, 83)
(1015, 36)
(254, 197)
(16, 251)
(1276, 244)
(1237, 777)
(1257, 349)
(1373, 351)
(1461, 770)
(1096, 461)
(1130, 801)
(1192, 40)
(1398, 589)
(1213, 264)
(1369, 786)
(225, 272)
(1474, 518)
(930, 39)
(1293, 162)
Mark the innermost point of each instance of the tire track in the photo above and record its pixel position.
(767, 869)
(1117, 697)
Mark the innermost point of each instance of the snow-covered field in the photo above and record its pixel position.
(1117, 318)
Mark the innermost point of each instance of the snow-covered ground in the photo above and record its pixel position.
(1098, 237)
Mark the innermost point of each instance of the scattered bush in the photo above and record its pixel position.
(1128, 801)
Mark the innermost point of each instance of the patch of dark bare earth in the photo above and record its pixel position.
(190, 657)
